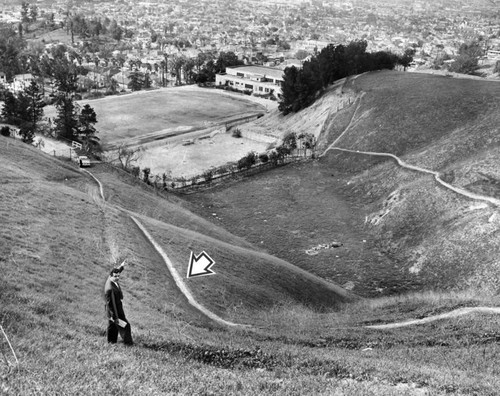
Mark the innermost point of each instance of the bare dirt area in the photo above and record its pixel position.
(190, 160)
(176, 159)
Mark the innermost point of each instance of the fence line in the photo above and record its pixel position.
(203, 180)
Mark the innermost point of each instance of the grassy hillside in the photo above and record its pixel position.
(404, 113)
(441, 239)
(307, 336)
(401, 230)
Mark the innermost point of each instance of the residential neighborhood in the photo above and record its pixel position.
(169, 41)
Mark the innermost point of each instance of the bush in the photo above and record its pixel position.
(237, 133)
(5, 131)
(263, 158)
(27, 133)
(145, 175)
(208, 175)
(247, 161)
(135, 170)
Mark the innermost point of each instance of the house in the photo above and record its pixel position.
(21, 81)
(91, 80)
(291, 62)
(493, 54)
(259, 80)
(122, 78)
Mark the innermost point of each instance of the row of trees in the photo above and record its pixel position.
(11, 49)
(94, 27)
(24, 110)
(72, 123)
(301, 86)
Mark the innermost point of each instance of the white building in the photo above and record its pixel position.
(21, 81)
(259, 80)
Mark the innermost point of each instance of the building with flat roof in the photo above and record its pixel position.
(259, 80)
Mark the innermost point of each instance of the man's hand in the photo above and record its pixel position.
(122, 265)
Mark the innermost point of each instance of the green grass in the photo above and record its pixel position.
(58, 242)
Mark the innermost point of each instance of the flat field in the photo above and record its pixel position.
(164, 110)
(192, 160)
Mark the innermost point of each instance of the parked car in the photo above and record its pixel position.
(84, 161)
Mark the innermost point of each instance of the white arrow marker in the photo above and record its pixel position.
(200, 265)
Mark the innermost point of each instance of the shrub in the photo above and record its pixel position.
(208, 175)
(135, 171)
(5, 131)
(27, 133)
(237, 133)
(263, 158)
(247, 161)
(145, 174)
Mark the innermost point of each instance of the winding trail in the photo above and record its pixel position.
(452, 314)
(405, 165)
(173, 272)
(458, 190)
(448, 315)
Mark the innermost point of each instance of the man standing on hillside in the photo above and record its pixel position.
(117, 322)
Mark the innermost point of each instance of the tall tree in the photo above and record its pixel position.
(147, 80)
(33, 15)
(187, 68)
(11, 46)
(9, 109)
(87, 119)
(35, 104)
(25, 13)
(178, 63)
(136, 80)
(66, 122)
(65, 76)
(226, 59)
(467, 61)
(407, 58)
(288, 90)
(86, 130)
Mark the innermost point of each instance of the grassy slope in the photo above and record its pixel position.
(59, 238)
(448, 125)
(427, 237)
(290, 210)
(241, 269)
